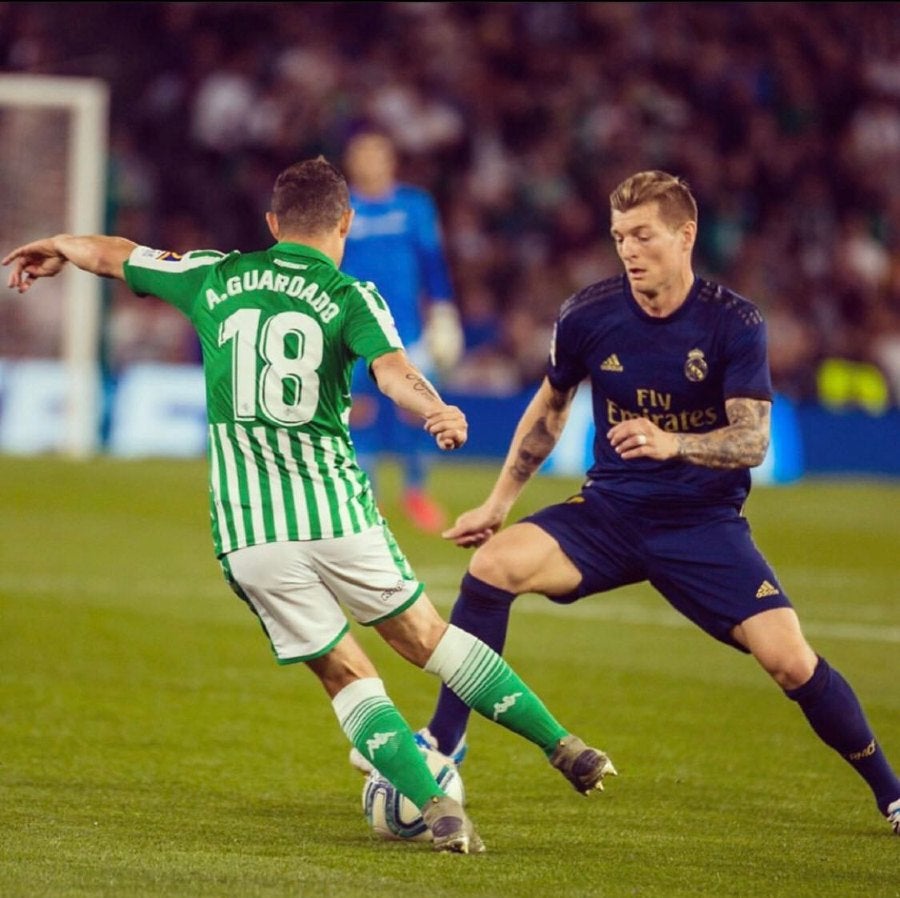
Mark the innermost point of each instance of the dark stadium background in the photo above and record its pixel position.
(520, 118)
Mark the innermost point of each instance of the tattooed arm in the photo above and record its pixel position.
(536, 435)
(742, 443)
(408, 388)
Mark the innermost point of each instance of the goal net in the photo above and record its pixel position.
(53, 160)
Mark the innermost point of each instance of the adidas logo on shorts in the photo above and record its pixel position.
(765, 590)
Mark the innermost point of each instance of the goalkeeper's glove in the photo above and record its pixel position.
(444, 337)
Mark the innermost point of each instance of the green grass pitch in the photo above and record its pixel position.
(150, 746)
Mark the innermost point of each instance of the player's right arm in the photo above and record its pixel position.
(409, 389)
(97, 254)
(535, 437)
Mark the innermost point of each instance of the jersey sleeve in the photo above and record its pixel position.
(429, 247)
(369, 326)
(747, 373)
(177, 279)
(565, 366)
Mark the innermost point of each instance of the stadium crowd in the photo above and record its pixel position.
(520, 118)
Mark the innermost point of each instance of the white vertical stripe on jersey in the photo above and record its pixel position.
(301, 514)
(252, 475)
(216, 484)
(340, 485)
(318, 483)
(354, 505)
(381, 313)
(279, 518)
(231, 482)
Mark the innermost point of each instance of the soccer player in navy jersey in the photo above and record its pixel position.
(395, 241)
(681, 393)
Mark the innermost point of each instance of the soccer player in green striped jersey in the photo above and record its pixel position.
(295, 526)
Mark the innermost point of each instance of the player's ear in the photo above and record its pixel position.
(689, 235)
(272, 222)
(344, 222)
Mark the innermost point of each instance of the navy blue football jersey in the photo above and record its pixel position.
(678, 371)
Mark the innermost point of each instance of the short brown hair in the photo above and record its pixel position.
(676, 202)
(310, 197)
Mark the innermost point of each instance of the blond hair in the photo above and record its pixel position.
(676, 202)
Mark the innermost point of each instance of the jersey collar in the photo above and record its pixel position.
(301, 249)
(651, 319)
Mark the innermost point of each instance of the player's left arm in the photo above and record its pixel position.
(98, 254)
(742, 443)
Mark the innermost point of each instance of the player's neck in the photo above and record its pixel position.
(668, 297)
(330, 244)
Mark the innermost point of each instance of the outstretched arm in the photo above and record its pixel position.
(408, 388)
(535, 437)
(742, 443)
(101, 255)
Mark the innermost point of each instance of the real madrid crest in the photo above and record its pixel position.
(695, 368)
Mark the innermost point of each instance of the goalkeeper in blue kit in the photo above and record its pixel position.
(294, 523)
(395, 241)
(681, 393)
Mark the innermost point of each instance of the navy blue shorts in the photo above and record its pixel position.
(702, 560)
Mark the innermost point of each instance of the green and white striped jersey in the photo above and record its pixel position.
(280, 330)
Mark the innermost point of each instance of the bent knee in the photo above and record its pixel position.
(495, 567)
(791, 671)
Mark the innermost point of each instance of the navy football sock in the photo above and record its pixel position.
(834, 712)
(483, 611)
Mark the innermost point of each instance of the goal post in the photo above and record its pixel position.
(82, 104)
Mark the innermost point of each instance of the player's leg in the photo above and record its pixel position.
(522, 558)
(411, 444)
(711, 571)
(486, 683)
(375, 727)
(825, 698)
(298, 612)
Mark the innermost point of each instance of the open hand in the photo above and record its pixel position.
(39, 259)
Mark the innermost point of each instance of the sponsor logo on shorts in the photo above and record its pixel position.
(388, 594)
(612, 363)
(574, 500)
(505, 704)
(377, 741)
(766, 589)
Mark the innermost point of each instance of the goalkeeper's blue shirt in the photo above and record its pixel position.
(677, 371)
(395, 241)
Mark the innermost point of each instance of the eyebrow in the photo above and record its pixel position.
(640, 227)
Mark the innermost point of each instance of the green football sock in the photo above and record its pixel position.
(488, 685)
(377, 729)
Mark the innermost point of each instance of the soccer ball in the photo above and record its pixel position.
(392, 815)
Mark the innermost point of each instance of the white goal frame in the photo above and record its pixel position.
(87, 102)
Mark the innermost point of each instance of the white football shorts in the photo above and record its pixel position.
(299, 589)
